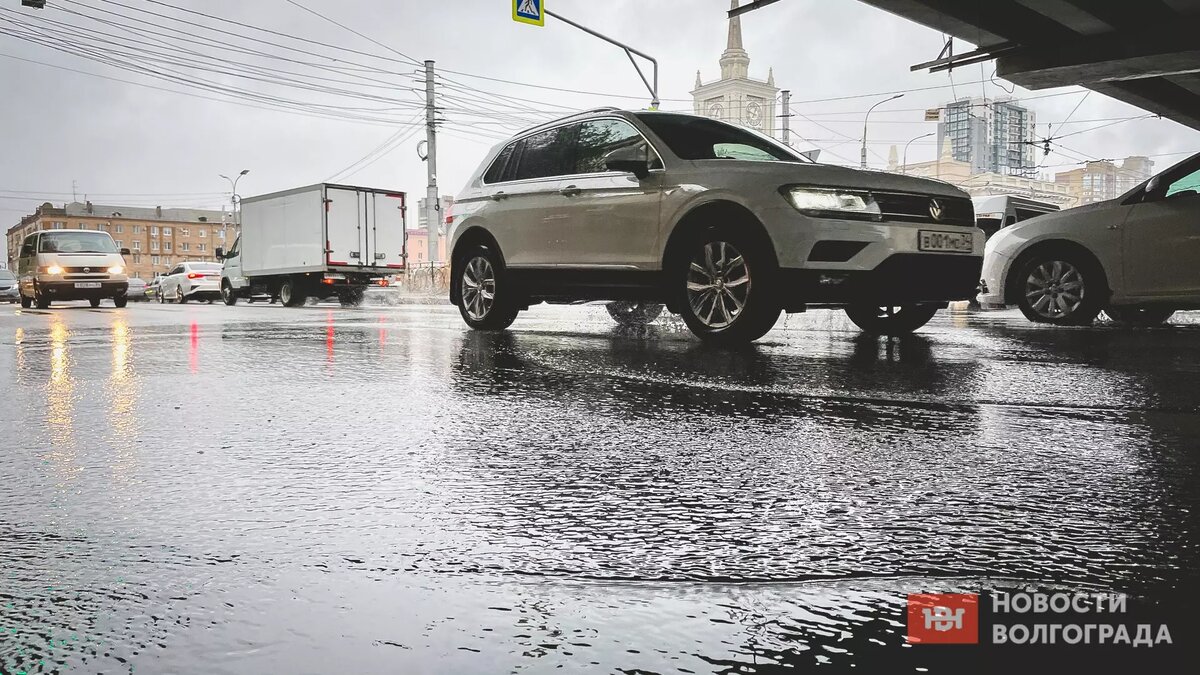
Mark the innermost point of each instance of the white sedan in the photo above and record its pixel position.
(191, 281)
(1134, 257)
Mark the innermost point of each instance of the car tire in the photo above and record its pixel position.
(352, 297)
(94, 302)
(724, 278)
(628, 313)
(228, 296)
(893, 320)
(1061, 287)
(120, 301)
(180, 298)
(291, 292)
(1139, 316)
(26, 303)
(486, 298)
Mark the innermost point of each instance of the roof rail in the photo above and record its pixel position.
(607, 108)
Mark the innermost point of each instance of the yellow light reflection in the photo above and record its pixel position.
(122, 399)
(60, 401)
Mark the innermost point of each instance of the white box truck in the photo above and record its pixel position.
(319, 241)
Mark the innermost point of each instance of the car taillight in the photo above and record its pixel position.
(197, 275)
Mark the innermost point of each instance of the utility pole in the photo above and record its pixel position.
(787, 114)
(432, 203)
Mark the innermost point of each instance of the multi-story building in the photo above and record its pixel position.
(992, 135)
(987, 183)
(1104, 180)
(737, 97)
(157, 238)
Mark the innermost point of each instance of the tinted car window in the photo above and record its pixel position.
(597, 138)
(545, 154)
(495, 172)
(692, 137)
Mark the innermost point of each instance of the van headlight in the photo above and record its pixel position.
(833, 203)
(54, 269)
(116, 269)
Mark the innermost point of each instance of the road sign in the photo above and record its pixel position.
(532, 12)
(933, 115)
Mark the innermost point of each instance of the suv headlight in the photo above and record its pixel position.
(833, 203)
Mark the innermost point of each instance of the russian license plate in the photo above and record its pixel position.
(952, 242)
(87, 284)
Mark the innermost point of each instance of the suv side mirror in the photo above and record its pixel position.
(124, 251)
(630, 159)
(219, 253)
(1152, 186)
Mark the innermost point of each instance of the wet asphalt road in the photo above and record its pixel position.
(262, 489)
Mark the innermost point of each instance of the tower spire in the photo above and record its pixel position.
(735, 62)
(735, 30)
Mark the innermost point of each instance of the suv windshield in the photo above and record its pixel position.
(691, 137)
(76, 242)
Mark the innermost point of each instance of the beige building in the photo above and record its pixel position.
(1104, 180)
(157, 238)
(959, 172)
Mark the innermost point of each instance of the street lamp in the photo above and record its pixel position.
(863, 163)
(235, 200)
(904, 165)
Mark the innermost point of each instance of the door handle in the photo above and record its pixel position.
(500, 195)
(569, 191)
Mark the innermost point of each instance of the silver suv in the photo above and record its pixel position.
(723, 225)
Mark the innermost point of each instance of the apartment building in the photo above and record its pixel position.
(157, 238)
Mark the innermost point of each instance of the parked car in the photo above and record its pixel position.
(137, 290)
(1134, 257)
(723, 225)
(998, 211)
(8, 287)
(191, 281)
(71, 265)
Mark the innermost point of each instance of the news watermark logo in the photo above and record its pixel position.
(943, 618)
(1031, 617)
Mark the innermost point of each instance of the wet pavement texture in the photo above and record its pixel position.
(264, 489)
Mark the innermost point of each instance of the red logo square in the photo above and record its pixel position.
(943, 618)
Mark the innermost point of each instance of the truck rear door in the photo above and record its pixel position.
(365, 228)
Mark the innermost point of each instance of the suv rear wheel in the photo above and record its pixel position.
(895, 320)
(726, 279)
(485, 298)
(1139, 316)
(629, 313)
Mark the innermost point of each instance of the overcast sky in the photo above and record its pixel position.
(115, 139)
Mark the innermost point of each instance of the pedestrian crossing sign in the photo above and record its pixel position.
(529, 11)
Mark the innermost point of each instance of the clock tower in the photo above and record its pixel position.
(737, 97)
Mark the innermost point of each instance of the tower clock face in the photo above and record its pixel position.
(716, 110)
(754, 114)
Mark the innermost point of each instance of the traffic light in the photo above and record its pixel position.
(36, 4)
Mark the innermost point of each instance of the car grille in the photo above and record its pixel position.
(99, 269)
(919, 209)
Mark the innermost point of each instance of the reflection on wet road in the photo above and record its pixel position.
(258, 489)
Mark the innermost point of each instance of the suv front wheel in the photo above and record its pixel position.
(485, 298)
(725, 277)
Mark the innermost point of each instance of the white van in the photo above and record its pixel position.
(71, 265)
(998, 211)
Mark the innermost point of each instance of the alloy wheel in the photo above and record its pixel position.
(478, 288)
(1054, 289)
(718, 284)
